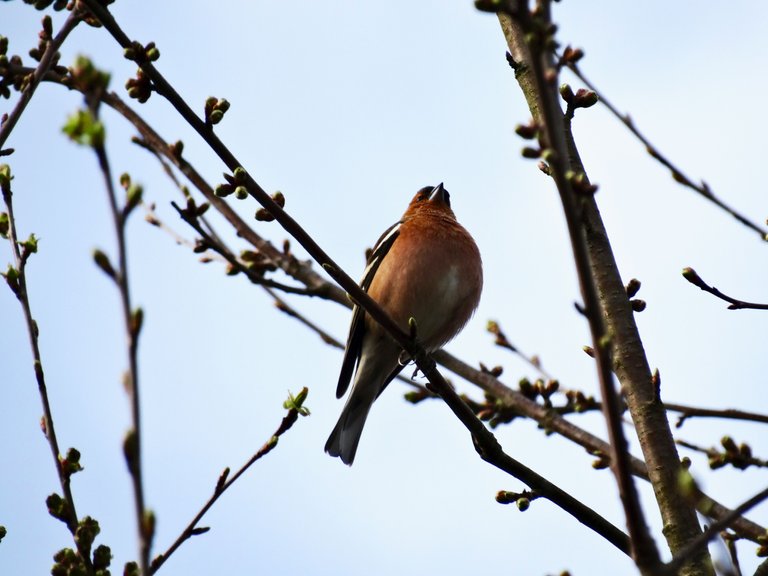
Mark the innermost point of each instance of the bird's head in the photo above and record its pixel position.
(431, 198)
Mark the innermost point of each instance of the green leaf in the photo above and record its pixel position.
(30, 244)
(296, 402)
(83, 128)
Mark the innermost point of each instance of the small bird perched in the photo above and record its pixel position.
(426, 267)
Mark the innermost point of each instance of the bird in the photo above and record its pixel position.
(425, 267)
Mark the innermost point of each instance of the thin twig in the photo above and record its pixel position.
(284, 307)
(46, 61)
(701, 541)
(692, 277)
(132, 321)
(503, 342)
(225, 481)
(20, 257)
(738, 456)
(160, 148)
(217, 246)
(727, 413)
(733, 553)
(702, 189)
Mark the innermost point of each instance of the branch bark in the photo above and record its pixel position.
(626, 351)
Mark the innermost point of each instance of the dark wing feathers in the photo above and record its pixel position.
(357, 327)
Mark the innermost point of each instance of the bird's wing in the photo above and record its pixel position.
(357, 327)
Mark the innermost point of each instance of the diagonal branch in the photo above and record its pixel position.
(295, 409)
(489, 446)
(702, 189)
(46, 61)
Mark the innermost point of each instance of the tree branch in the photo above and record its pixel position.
(702, 189)
(528, 35)
(692, 277)
(133, 321)
(295, 408)
(701, 541)
(47, 60)
(18, 285)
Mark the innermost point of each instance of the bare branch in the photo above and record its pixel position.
(692, 277)
(18, 284)
(701, 541)
(529, 37)
(550, 420)
(728, 413)
(295, 408)
(48, 59)
(133, 320)
(702, 189)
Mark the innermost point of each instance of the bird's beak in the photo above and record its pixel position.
(438, 193)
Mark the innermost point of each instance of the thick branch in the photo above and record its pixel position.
(527, 42)
(629, 361)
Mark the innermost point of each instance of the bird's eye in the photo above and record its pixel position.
(423, 194)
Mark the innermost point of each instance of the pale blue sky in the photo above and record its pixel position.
(349, 108)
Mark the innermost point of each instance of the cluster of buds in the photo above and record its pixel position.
(580, 183)
(215, 108)
(582, 98)
(492, 411)
(58, 5)
(235, 184)
(140, 87)
(142, 53)
(257, 261)
(86, 78)
(632, 288)
(263, 215)
(45, 36)
(521, 499)
(577, 401)
(737, 455)
(570, 56)
(540, 387)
